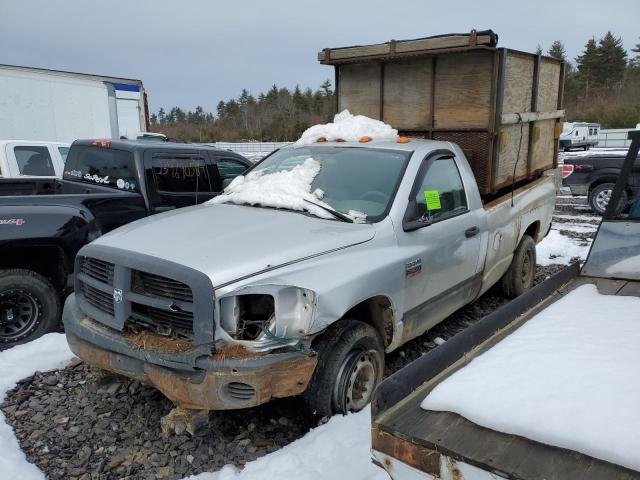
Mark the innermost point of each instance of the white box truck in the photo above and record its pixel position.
(51, 105)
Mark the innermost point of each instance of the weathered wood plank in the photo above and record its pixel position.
(401, 46)
(360, 89)
(463, 90)
(408, 86)
(518, 84)
(510, 118)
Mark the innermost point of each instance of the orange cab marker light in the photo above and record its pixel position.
(403, 139)
(365, 139)
(321, 139)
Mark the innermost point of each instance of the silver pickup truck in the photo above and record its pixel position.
(228, 306)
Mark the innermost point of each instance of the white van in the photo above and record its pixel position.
(27, 158)
(579, 135)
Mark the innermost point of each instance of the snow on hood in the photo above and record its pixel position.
(289, 189)
(349, 128)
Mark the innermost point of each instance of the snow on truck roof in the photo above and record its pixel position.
(558, 379)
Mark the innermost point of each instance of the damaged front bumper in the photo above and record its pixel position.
(193, 379)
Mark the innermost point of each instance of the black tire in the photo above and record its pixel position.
(599, 198)
(29, 307)
(522, 271)
(350, 360)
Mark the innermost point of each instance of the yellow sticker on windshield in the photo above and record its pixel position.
(432, 198)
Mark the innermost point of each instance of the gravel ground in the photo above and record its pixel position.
(79, 423)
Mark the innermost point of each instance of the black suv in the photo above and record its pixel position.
(106, 184)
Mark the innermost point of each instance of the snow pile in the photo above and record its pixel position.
(560, 379)
(560, 249)
(338, 449)
(45, 353)
(289, 189)
(349, 128)
(285, 189)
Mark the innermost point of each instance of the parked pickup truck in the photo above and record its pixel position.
(595, 175)
(26, 158)
(44, 222)
(228, 306)
(570, 414)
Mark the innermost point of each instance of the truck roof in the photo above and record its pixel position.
(137, 145)
(414, 144)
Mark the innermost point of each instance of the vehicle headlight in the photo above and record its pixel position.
(279, 311)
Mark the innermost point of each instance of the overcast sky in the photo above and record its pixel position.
(198, 52)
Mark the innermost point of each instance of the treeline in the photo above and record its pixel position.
(602, 84)
(274, 116)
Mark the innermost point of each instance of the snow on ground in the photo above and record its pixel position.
(284, 189)
(338, 449)
(46, 353)
(560, 249)
(560, 379)
(349, 128)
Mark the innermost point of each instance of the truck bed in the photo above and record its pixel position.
(423, 439)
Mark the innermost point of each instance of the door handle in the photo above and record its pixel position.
(471, 232)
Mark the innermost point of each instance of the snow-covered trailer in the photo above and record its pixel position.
(464, 410)
(502, 106)
(58, 106)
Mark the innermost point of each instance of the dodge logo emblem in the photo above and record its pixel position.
(117, 295)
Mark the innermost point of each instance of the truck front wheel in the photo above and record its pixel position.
(350, 365)
(29, 307)
(522, 271)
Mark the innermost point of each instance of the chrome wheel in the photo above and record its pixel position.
(20, 314)
(602, 199)
(358, 377)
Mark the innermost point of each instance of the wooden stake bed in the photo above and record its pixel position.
(419, 437)
(503, 107)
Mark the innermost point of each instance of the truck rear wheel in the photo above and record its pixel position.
(29, 307)
(522, 271)
(350, 365)
(599, 198)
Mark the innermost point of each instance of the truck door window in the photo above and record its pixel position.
(34, 160)
(229, 169)
(107, 167)
(180, 174)
(64, 151)
(440, 194)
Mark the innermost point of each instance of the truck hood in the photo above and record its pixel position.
(229, 242)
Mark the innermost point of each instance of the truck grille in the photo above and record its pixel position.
(97, 298)
(97, 269)
(146, 283)
(96, 286)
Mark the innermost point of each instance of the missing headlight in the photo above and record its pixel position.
(255, 312)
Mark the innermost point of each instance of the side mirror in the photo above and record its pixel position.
(409, 222)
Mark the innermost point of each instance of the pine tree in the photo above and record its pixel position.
(162, 116)
(612, 60)
(557, 51)
(587, 64)
(539, 50)
(325, 88)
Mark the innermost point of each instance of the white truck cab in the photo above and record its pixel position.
(28, 158)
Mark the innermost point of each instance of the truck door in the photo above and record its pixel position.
(442, 236)
(227, 169)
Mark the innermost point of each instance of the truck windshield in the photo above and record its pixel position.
(352, 179)
(101, 166)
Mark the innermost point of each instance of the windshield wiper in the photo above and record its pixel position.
(335, 213)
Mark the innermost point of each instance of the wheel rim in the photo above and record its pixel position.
(602, 199)
(357, 379)
(20, 314)
(527, 269)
